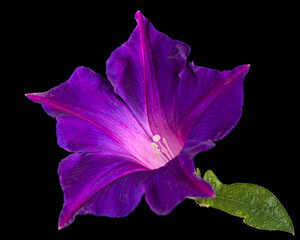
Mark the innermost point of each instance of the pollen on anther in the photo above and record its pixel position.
(154, 145)
(156, 138)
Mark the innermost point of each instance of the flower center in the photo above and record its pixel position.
(161, 148)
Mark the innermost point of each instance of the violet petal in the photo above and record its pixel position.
(84, 177)
(119, 198)
(215, 102)
(169, 185)
(190, 149)
(91, 117)
(145, 73)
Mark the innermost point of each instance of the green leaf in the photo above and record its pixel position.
(257, 205)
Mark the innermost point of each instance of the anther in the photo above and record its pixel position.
(154, 145)
(164, 150)
(160, 150)
(156, 138)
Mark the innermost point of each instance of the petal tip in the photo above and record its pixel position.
(62, 225)
(210, 193)
(247, 67)
(139, 16)
(27, 95)
(30, 96)
(35, 97)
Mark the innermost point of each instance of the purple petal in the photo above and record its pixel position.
(144, 72)
(168, 186)
(91, 181)
(91, 117)
(213, 103)
(119, 198)
(190, 149)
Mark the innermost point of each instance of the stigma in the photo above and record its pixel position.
(161, 148)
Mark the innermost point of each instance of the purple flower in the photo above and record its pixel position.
(138, 132)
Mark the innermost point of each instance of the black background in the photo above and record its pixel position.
(53, 39)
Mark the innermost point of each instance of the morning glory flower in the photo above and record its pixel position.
(136, 133)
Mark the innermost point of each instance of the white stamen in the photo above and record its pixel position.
(166, 144)
(156, 138)
(159, 154)
(154, 145)
(165, 151)
(160, 151)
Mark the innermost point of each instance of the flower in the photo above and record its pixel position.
(138, 132)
